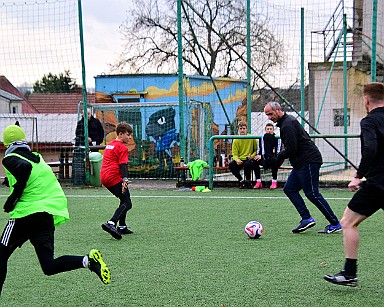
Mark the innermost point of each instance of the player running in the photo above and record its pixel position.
(113, 175)
(37, 205)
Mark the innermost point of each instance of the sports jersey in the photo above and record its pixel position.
(115, 153)
(372, 148)
(298, 146)
(42, 193)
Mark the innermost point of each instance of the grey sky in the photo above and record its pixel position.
(102, 39)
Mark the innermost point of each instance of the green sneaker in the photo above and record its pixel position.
(96, 264)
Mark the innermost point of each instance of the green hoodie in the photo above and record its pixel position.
(196, 168)
(42, 193)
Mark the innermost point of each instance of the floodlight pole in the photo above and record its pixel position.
(180, 78)
(84, 92)
(374, 41)
(345, 88)
(249, 88)
(302, 70)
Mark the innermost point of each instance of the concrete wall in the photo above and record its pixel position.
(325, 97)
(367, 28)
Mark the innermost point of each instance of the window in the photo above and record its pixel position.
(338, 117)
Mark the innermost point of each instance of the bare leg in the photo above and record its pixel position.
(349, 224)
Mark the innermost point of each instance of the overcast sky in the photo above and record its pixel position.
(103, 43)
(102, 39)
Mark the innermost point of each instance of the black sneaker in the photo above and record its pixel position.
(304, 225)
(342, 279)
(248, 184)
(97, 265)
(111, 229)
(124, 230)
(242, 184)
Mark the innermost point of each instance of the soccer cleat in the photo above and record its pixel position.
(273, 185)
(331, 229)
(342, 279)
(304, 225)
(258, 185)
(242, 184)
(248, 184)
(111, 229)
(124, 230)
(97, 265)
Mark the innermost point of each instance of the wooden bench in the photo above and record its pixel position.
(182, 170)
(63, 168)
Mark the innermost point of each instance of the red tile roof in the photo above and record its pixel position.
(58, 103)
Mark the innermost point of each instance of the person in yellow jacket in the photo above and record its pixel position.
(37, 205)
(243, 152)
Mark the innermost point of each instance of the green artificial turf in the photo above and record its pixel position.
(189, 249)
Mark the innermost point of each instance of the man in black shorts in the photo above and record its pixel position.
(370, 194)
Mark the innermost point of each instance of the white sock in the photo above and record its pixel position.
(274, 180)
(258, 180)
(85, 261)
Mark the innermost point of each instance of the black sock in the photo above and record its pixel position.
(350, 267)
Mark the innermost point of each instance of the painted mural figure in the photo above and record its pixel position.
(161, 127)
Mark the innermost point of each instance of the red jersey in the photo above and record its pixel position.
(115, 153)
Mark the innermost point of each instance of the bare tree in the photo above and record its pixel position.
(150, 36)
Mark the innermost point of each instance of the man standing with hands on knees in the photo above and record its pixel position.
(306, 160)
(370, 194)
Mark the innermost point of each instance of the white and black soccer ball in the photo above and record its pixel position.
(254, 229)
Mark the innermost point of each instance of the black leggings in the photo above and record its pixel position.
(39, 229)
(269, 163)
(124, 206)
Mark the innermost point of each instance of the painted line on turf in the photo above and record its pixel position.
(192, 197)
(213, 197)
(205, 197)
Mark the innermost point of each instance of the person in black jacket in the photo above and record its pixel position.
(95, 131)
(306, 161)
(269, 147)
(370, 193)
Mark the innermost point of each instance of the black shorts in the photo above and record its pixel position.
(367, 200)
(38, 228)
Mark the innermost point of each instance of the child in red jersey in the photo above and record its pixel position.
(113, 175)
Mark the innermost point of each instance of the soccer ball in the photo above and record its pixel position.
(253, 229)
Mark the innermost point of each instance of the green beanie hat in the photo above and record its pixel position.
(13, 133)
